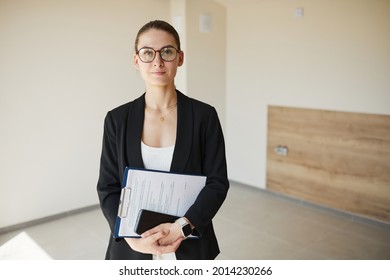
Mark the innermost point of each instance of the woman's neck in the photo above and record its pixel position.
(160, 98)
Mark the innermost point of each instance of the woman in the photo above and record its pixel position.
(164, 130)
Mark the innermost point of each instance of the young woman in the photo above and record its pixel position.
(164, 130)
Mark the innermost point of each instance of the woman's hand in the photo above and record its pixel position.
(173, 230)
(149, 244)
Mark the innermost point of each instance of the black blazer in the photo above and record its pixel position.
(199, 149)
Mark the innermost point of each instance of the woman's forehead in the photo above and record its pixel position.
(155, 38)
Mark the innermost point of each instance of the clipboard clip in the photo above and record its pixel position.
(124, 202)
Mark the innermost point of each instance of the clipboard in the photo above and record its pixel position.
(158, 191)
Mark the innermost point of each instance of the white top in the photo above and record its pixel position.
(158, 159)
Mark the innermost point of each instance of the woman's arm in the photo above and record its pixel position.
(109, 185)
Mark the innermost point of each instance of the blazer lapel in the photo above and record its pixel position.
(184, 133)
(133, 134)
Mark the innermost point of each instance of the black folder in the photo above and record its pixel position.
(148, 219)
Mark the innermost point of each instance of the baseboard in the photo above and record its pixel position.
(47, 219)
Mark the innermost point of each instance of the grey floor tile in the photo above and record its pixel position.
(62, 238)
(307, 254)
(321, 216)
(343, 245)
(257, 246)
(377, 233)
(93, 223)
(296, 230)
(221, 256)
(225, 228)
(96, 252)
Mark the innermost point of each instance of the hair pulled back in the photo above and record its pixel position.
(159, 25)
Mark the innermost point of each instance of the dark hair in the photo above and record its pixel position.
(159, 25)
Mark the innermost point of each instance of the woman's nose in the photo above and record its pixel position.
(158, 61)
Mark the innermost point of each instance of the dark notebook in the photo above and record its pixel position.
(148, 219)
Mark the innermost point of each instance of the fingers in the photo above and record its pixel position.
(154, 230)
(154, 237)
(174, 234)
(151, 244)
(148, 245)
(165, 248)
(168, 239)
(150, 232)
(173, 246)
(170, 248)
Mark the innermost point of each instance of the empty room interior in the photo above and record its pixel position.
(301, 88)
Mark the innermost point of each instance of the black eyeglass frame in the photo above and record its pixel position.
(159, 51)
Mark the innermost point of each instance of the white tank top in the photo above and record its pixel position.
(158, 159)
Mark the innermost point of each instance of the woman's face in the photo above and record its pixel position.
(158, 72)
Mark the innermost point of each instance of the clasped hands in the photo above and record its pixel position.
(164, 238)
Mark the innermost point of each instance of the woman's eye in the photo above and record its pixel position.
(148, 52)
(167, 51)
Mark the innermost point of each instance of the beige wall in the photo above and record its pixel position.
(336, 57)
(178, 16)
(203, 75)
(63, 65)
(206, 55)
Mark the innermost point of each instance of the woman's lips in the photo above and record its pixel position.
(158, 73)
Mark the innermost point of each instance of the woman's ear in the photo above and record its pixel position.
(136, 61)
(181, 58)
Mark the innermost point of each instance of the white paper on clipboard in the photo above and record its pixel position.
(159, 191)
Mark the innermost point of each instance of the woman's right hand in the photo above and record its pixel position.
(150, 244)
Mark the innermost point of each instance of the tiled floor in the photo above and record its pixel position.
(252, 224)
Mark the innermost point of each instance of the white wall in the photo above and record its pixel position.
(203, 75)
(63, 65)
(206, 55)
(336, 57)
(179, 21)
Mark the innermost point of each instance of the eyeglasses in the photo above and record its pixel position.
(167, 54)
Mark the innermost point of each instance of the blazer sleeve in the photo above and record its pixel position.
(109, 184)
(214, 167)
